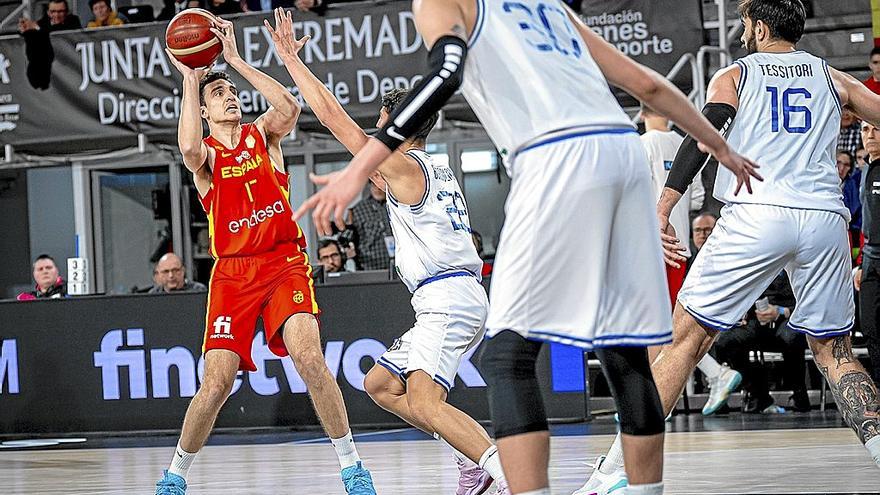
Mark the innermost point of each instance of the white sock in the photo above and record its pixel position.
(542, 491)
(346, 451)
(614, 458)
(709, 366)
(490, 461)
(458, 455)
(647, 489)
(181, 462)
(873, 446)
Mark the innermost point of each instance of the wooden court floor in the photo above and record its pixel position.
(827, 460)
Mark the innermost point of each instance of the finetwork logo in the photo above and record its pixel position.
(9, 367)
(123, 352)
(222, 328)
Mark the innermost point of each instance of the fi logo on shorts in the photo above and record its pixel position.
(298, 297)
(222, 327)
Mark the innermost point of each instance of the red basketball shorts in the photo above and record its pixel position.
(674, 279)
(274, 285)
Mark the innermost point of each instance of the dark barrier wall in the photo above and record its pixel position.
(131, 363)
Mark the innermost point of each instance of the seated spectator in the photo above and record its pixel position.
(702, 225)
(170, 276)
(317, 6)
(861, 159)
(850, 138)
(49, 284)
(766, 329)
(171, 8)
(224, 7)
(38, 47)
(104, 15)
(873, 81)
(331, 256)
(850, 182)
(372, 228)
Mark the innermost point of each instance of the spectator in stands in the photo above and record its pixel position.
(369, 220)
(170, 276)
(850, 182)
(765, 328)
(224, 7)
(702, 226)
(104, 15)
(49, 284)
(849, 140)
(331, 256)
(38, 47)
(873, 81)
(171, 8)
(867, 275)
(861, 159)
(317, 6)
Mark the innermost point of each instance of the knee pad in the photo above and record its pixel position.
(508, 364)
(632, 385)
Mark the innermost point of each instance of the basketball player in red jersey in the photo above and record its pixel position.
(261, 266)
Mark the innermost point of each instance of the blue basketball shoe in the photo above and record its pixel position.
(357, 480)
(170, 484)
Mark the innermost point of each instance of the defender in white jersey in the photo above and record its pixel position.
(579, 259)
(785, 107)
(437, 260)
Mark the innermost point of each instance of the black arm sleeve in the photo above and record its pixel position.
(690, 160)
(446, 66)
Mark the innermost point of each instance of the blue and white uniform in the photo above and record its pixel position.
(436, 259)
(580, 260)
(788, 121)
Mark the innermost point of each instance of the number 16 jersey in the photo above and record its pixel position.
(433, 237)
(787, 121)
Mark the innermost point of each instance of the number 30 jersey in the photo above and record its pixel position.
(787, 121)
(248, 204)
(433, 236)
(529, 73)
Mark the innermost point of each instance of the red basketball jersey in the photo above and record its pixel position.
(248, 204)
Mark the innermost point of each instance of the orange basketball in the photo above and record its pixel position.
(190, 40)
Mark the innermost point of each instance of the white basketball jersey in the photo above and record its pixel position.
(661, 148)
(434, 236)
(788, 121)
(529, 72)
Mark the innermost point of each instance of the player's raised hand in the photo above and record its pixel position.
(286, 44)
(186, 71)
(743, 168)
(672, 247)
(225, 32)
(340, 189)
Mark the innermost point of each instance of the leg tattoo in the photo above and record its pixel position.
(853, 390)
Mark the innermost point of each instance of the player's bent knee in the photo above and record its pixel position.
(632, 385)
(379, 385)
(309, 363)
(508, 365)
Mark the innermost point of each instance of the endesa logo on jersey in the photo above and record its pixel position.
(246, 164)
(257, 217)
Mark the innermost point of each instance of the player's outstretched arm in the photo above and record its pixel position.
(189, 126)
(857, 96)
(325, 105)
(280, 119)
(442, 25)
(661, 95)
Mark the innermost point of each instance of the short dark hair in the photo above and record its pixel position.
(45, 257)
(329, 242)
(208, 79)
(61, 1)
(395, 97)
(785, 18)
(92, 3)
(875, 51)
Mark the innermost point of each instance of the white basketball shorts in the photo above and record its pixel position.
(750, 245)
(580, 261)
(450, 318)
